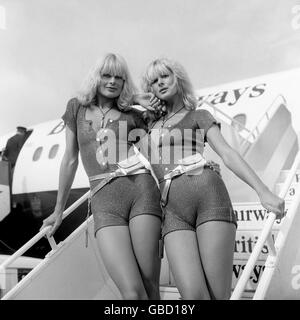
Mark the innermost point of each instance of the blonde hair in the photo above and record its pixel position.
(113, 64)
(162, 66)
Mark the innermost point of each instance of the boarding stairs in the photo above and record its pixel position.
(74, 270)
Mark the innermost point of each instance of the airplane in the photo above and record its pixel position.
(259, 116)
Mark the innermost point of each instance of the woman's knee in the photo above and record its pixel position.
(220, 292)
(195, 294)
(134, 293)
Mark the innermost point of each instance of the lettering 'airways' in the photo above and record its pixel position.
(231, 97)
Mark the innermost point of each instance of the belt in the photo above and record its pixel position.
(108, 176)
(178, 171)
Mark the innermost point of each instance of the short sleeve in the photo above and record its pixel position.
(70, 115)
(138, 128)
(205, 120)
(139, 120)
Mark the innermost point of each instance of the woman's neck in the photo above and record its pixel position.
(105, 102)
(175, 104)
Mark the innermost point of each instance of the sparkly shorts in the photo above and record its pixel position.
(125, 198)
(197, 199)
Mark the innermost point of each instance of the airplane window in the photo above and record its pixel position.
(37, 154)
(53, 151)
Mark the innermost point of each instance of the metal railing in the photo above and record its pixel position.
(266, 116)
(36, 238)
(265, 236)
(252, 134)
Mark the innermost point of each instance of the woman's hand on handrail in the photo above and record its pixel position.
(54, 220)
(273, 203)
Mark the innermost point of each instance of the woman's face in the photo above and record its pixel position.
(164, 86)
(110, 85)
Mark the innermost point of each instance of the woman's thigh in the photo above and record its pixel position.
(216, 241)
(117, 253)
(185, 263)
(145, 235)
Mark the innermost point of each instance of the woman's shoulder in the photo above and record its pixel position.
(202, 115)
(73, 103)
(73, 106)
(204, 119)
(72, 110)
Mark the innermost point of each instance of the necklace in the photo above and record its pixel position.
(100, 157)
(164, 120)
(103, 114)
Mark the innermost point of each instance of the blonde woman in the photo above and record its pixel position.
(125, 198)
(199, 224)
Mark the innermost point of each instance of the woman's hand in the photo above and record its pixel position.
(147, 100)
(54, 220)
(273, 203)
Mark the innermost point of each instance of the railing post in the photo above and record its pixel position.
(271, 245)
(52, 242)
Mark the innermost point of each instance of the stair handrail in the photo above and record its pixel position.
(266, 115)
(37, 237)
(251, 133)
(265, 235)
(272, 261)
(217, 110)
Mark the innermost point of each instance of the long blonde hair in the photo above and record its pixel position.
(184, 86)
(113, 64)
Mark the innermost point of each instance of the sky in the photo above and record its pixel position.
(47, 47)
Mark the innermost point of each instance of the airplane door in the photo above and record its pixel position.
(5, 189)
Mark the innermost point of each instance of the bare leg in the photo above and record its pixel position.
(216, 244)
(184, 259)
(118, 257)
(145, 234)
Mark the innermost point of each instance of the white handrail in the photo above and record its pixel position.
(251, 133)
(242, 282)
(271, 261)
(265, 115)
(36, 238)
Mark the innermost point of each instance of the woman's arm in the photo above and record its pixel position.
(67, 172)
(239, 166)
